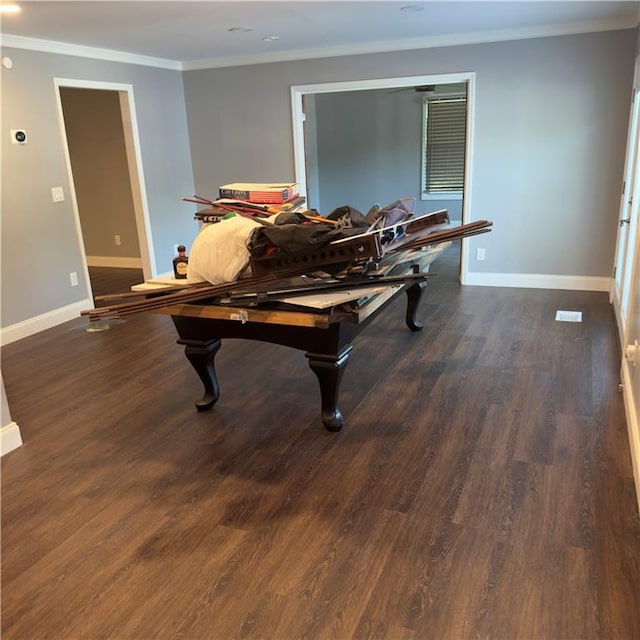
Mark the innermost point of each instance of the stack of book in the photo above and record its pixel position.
(265, 193)
(249, 199)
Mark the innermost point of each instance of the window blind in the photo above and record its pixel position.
(445, 129)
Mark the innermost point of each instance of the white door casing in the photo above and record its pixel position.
(134, 162)
(625, 288)
(627, 221)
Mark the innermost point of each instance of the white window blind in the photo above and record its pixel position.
(444, 144)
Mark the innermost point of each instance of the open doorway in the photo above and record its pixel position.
(363, 143)
(100, 138)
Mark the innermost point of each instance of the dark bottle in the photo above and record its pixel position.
(180, 263)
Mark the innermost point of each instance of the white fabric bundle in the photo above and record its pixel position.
(219, 253)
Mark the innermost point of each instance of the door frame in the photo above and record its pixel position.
(628, 209)
(624, 294)
(134, 163)
(298, 118)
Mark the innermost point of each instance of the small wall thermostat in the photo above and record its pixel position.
(18, 136)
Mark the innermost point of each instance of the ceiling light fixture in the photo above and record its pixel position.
(240, 29)
(9, 8)
(271, 38)
(412, 8)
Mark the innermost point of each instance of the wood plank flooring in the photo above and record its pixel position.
(107, 280)
(481, 487)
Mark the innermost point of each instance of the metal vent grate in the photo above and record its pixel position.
(569, 316)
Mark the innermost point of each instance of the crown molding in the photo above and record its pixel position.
(418, 43)
(63, 48)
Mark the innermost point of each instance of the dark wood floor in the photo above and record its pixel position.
(107, 280)
(481, 488)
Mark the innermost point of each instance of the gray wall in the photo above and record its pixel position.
(311, 153)
(39, 240)
(550, 132)
(93, 123)
(370, 150)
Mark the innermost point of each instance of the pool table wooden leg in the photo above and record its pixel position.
(201, 356)
(329, 370)
(414, 294)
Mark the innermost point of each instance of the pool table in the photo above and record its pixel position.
(326, 335)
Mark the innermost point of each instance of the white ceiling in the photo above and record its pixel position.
(195, 34)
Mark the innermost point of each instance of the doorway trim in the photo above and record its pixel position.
(622, 279)
(134, 162)
(625, 284)
(298, 117)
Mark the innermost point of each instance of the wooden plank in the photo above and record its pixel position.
(360, 315)
(246, 314)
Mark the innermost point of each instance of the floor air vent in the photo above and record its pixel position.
(569, 316)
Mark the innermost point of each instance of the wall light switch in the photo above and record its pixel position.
(57, 194)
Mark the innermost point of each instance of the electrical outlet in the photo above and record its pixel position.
(57, 194)
(480, 255)
(117, 240)
(73, 278)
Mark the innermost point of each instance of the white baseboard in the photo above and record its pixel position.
(537, 281)
(633, 425)
(109, 261)
(47, 320)
(10, 438)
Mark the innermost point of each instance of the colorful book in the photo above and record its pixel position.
(266, 193)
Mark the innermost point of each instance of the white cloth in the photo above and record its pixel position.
(219, 253)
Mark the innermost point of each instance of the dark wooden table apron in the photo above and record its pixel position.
(325, 336)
